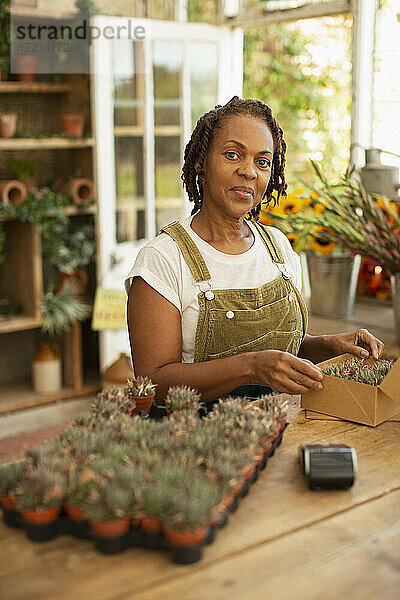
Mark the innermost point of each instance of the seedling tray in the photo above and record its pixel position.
(136, 537)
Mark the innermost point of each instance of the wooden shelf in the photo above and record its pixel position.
(19, 323)
(36, 87)
(44, 143)
(19, 396)
(138, 130)
(70, 211)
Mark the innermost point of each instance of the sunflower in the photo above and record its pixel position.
(320, 244)
(318, 208)
(292, 204)
(292, 237)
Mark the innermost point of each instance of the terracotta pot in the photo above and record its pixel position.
(79, 189)
(76, 281)
(8, 124)
(12, 191)
(72, 124)
(42, 516)
(113, 528)
(150, 524)
(8, 502)
(25, 68)
(75, 513)
(186, 537)
(143, 403)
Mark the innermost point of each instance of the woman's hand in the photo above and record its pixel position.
(285, 372)
(361, 343)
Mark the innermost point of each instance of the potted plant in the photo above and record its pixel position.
(60, 311)
(10, 476)
(22, 170)
(182, 398)
(8, 124)
(39, 498)
(142, 390)
(77, 252)
(191, 513)
(72, 124)
(109, 507)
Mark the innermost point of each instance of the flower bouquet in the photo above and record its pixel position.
(339, 217)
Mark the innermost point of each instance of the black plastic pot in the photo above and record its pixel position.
(42, 532)
(210, 536)
(79, 529)
(186, 555)
(12, 518)
(136, 536)
(111, 545)
(154, 540)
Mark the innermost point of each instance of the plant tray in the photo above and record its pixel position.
(136, 537)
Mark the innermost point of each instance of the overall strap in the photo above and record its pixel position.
(270, 243)
(191, 253)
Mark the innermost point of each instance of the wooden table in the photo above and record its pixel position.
(284, 542)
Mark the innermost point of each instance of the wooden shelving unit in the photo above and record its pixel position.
(34, 87)
(51, 143)
(38, 105)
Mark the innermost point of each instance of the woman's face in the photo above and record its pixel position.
(238, 165)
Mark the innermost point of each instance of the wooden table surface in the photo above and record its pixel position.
(284, 542)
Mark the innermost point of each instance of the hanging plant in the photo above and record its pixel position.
(61, 310)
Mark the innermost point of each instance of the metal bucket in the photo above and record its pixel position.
(395, 284)
(333, 280)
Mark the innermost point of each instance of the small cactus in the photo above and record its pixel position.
(41, 488)
(141, 387)
(356, 370)
(182, 398)
(10, 476)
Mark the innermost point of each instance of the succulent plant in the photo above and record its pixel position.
(113, 501)
(41, 488)
(356, 370)
(192, 506)
(141, 387)
(182, 397)
(10, 476)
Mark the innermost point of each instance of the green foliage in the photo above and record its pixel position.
(10, 476)
(61, 310)
(279, 70)
(21, 169)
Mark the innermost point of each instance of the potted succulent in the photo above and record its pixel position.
(190, 515)
(72, 124)
(182, 398)
(60, 311)
(10, 476)
(39, 498)
(109, 507)
(142, 390)
(22, 170)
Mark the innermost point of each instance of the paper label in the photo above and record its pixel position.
(109, 311)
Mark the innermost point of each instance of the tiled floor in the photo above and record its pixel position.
(15, 446)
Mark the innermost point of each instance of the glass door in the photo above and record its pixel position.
(147, 97)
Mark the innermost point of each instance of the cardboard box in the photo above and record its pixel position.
(353, 401)
(310, 415)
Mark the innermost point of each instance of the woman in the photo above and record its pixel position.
(214, 301)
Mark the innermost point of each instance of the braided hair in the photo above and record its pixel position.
(199, 144)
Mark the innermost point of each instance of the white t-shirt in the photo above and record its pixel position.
(161, 264)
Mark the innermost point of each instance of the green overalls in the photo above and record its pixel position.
(272, 316)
